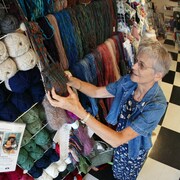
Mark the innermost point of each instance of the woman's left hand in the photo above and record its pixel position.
(70, 103)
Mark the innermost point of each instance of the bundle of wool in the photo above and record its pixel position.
(44, 176)
(8, 69)
(23, 155)
(35, 172)
(17, 44)
(22, 101)
(2, 12)
(42, 138)
(37, 153)
(43, 162)
(3, 52)
(56, 117)
(31, 116)
(9, 24)
(52, 170)
(9, 112)
(30, 146)
(28, 164)
(26, 137)
(23, 80)
(26, 61)
(4, 94)
(35, 126)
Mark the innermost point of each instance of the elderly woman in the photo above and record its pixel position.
(137, 108)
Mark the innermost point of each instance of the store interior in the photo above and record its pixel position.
(39, 41)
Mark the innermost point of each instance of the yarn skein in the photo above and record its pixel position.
(17, 44)
(9, 24)
(42, 138)
(26, 61)
(7, 69)
(3, 52)
(35, 126)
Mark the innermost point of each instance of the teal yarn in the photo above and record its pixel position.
(37, 153)
(35, 126)
(42, 138)
(30, 116)
(23, 155)
(66, 30)
(30, 146)
(28, 164)
(9, 24)
(26, 137)
(77, 31)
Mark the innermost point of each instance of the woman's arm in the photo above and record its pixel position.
(89, 89)
(71, 103)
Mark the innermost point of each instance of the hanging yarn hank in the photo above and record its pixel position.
(72, 14)
(67, 34)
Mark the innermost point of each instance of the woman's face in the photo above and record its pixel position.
(143, 71)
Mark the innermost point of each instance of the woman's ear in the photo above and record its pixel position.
(158, 76)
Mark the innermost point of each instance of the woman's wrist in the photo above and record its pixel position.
(84, 120)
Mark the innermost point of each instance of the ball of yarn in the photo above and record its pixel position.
(62, 166)
(23, 155)
(9, 112)
(26, 138)
(35, 126)
(3, 52)
(3, 95)
(2, 12)
(43, 162)
(17, 44)
(31, 116)
(42, 138)
(52, 170)
(30, 146)
(23, 80)
(35, 172)
(8, 69)
(19, 120)
(26, 61)
(37, 153)
(44, 176)
(28, 164)
(37, 92)
(52, 155)
(9, 24)
(22, 101)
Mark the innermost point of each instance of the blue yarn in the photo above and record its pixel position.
(35, 172)
(37, 92)
(23, 80)
(68, 36)
(22, 101)
(4, 93)
(9, 112)
(52, 155)
(43, 162)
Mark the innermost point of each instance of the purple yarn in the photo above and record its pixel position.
(22, 101)
(9, 112)
(82, 134)
(85, 140)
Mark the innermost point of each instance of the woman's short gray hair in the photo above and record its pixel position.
(156, 51)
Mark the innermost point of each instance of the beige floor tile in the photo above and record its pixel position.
(167, 89)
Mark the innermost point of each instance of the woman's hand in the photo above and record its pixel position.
(70, 103)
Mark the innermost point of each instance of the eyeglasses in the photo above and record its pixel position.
(141, 64)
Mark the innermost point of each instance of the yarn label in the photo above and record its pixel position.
(11, 135)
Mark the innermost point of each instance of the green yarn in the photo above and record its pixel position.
(35, 126)
(23, 155)
(26, 137)
(31, 116)
(28, 164)
(42, 138)
(41, 112)
(19, 120)
(31, 146)
(37, 153)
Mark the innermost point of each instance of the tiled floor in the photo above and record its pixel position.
(163, 162)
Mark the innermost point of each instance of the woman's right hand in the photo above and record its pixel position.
(73, 82)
